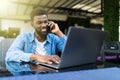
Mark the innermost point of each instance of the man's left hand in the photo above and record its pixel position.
(55, 29)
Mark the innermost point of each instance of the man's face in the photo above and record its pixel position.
(39, 23)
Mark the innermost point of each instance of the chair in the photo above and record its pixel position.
(112, 48)
(4, 46)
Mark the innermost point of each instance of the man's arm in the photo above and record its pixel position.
(16, 53)
(55, 29)
(62, 38)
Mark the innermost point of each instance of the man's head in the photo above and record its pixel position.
(39, 21)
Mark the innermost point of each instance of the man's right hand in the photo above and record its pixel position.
(45, 58)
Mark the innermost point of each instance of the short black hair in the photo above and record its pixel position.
(38, 11)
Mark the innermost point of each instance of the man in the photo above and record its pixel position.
(39, 45)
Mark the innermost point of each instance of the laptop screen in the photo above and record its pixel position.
(82, 46)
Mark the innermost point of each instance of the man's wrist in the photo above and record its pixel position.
(33, 57)
(60, 34)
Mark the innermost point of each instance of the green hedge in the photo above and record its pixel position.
(111, 19)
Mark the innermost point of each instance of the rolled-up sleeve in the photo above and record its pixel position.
(16, 53)
(61, 43)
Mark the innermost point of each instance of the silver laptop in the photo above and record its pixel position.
(82, 47)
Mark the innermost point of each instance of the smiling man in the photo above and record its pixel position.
(40, 45)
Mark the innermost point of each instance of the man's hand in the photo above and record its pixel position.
(45, 59)
(55, 29)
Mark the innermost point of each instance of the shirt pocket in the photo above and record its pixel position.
(29, 47)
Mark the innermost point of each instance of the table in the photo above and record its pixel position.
(38, 72)
(95, 74)
(17, 69)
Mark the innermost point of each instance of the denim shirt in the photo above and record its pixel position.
(24, 46)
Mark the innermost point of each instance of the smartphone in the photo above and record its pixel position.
(49, 28)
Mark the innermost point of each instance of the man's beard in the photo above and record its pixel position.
(42, 34)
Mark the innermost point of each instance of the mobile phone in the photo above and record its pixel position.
(49, 28)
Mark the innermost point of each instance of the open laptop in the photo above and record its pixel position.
(83, 45)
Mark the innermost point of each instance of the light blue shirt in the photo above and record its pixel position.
(24, 46)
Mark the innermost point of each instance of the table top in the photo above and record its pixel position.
(17, 69)
(92, 74)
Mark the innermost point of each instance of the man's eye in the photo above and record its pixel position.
(38, 22)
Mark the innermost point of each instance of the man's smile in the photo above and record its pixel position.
(43, 29)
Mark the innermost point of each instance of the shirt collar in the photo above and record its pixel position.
(33, 37)
(48, 38)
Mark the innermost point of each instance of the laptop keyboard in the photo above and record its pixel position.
(51, 65)
(54, 64)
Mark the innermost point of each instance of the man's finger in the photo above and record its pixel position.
(56, 59)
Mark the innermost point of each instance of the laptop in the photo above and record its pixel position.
(83, 45)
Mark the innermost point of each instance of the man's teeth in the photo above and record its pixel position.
(44, 29)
